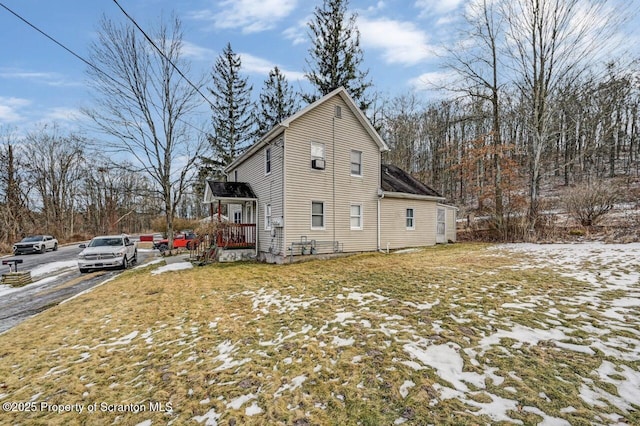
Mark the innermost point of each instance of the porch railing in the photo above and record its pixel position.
(237, 235)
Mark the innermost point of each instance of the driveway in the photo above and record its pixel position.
(55, 278)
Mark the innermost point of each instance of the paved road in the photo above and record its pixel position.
(56, 278)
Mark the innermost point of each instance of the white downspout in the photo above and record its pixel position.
(379, 238)
(255, 219)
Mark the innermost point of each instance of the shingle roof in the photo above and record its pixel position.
(394, 179)
(230, 189)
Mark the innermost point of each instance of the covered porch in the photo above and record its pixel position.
(236, 229)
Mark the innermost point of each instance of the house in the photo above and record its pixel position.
(315, 184)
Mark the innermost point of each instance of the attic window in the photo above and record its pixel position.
(338, 111)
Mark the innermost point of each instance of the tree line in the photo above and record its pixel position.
(535, 94)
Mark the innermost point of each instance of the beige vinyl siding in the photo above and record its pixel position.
(394, 233)
(303, 184)
(268, 189)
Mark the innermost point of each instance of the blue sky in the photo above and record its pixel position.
(39, 81)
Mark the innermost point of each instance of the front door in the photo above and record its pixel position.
(235, 213)
(441, 226)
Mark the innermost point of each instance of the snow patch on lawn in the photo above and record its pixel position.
(178, 266)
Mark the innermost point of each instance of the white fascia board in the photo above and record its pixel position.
(407, 196)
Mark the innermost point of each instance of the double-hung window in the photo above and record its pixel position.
(410, 219)
(317, 215)
(355, 218)
(267, 161)
(267, 217)
(356, 163)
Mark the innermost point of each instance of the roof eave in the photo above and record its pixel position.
(407, 196)
(275, 131)
(229, 199)
(382, 145)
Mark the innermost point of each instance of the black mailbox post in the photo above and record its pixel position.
(13, 264)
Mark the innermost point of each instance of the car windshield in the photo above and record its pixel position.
(32, 239)
(106, 242)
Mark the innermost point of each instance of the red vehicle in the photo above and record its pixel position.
(182, 240)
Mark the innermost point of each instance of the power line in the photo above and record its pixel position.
(163, 54)
(55, 41)
(95, 67)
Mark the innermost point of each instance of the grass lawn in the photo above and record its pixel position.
(458, 334)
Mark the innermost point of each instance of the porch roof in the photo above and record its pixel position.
(228, 191)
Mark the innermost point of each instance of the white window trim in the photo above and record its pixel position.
(324, 216)
(267, 217)
(269, 161)
(350, 163)
(413, 218)
(315, 157)
(361, 216)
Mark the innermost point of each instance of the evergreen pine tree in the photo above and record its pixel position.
(336, 54)
(232, 120)
(277, 102)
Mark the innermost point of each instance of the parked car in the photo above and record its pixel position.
(107, 251)
(35, 244)
(182, 240)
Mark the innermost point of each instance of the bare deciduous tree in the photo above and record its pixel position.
(476, 60)
(144, 105)
(14, 212)
(54, 168)
(553, 41)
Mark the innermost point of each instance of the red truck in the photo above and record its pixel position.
(182, 240)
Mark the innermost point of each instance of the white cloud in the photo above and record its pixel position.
(400, 42)
(432, 81)
(9, 109)
(196, 52)
(255, 65)
(377, 7)
(439, 7)
(47, 78)
(298, 33)
(250, 15)
(63, 114)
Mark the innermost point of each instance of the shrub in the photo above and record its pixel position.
(588, 203)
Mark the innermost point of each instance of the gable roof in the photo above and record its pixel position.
(395, 180)
(283, 125)
(239, 191)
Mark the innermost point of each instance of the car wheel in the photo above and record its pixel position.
(55, 247)
(135, 257)
(83, 270)
(163, 248)
(43, 249)
(125, 262)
